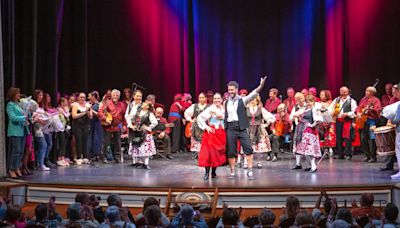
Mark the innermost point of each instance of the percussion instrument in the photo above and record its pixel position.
(385, 138)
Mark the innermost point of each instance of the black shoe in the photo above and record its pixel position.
(49, 164)
(206, 176)
(372, 160)
(297, 167)
(146, 167)
(313, 171)
(169, 157)
(307, 169)
(366, 159)
(340, 157)
(117, 161)
(386, 169)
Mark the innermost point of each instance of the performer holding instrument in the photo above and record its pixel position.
(280, 128)
(343, 111)
(368, 112)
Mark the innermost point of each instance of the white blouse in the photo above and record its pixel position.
(214, 115)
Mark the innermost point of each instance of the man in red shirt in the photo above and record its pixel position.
(112, 130)
(313, 91)
(290, 101)
(371, 107)
(272, 103)
(388, 95)
(175, 116)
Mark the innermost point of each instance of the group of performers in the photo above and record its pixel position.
(235, 126)
(240, 126)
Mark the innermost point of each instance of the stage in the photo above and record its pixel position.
(183, 172)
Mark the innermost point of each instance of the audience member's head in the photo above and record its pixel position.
(114, 200)
(391, 212)
(344, 214)
(304, 218)
(339, 223)
(266, 217)
(230, 217)
(41, 212)
(187, 214)
(82, 198)
(74, 211)
(367, 199)
(112, 214)
(13, 213)
(152, 215)
(292, 206)
(148, 202)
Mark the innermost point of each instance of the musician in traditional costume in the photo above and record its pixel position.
(191, 115)
(290, 102)
(162, 131)
(306, 140)
(299, 107)
(388, 95)
(141, 144)
(392, 113)
(327, 128)
(280, 128)
(313, 91)
(111, 114)
(213, 144)
(175, 116)
(368, 112)
(343, 110)
(259, 119)
(271, 104)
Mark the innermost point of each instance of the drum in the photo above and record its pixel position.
(385, 138)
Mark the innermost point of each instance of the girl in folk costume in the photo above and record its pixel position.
(257, 115)
(306, 140)
(191, 115)
(327, 129)
(213, 144)
(280, 128)
(141, 144)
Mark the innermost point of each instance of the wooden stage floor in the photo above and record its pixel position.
(183, 172)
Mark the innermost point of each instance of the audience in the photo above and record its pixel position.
(266, 218)
(150, 201)
(291, 210)
(82, 214)
(230, 217)
(113, 219)
(367, 209)
(187, 216)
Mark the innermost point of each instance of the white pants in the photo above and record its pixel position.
(397, 142)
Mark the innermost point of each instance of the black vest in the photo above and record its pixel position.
(242, 115)
(346, 105)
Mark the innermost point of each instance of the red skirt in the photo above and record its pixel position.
(213, 149)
